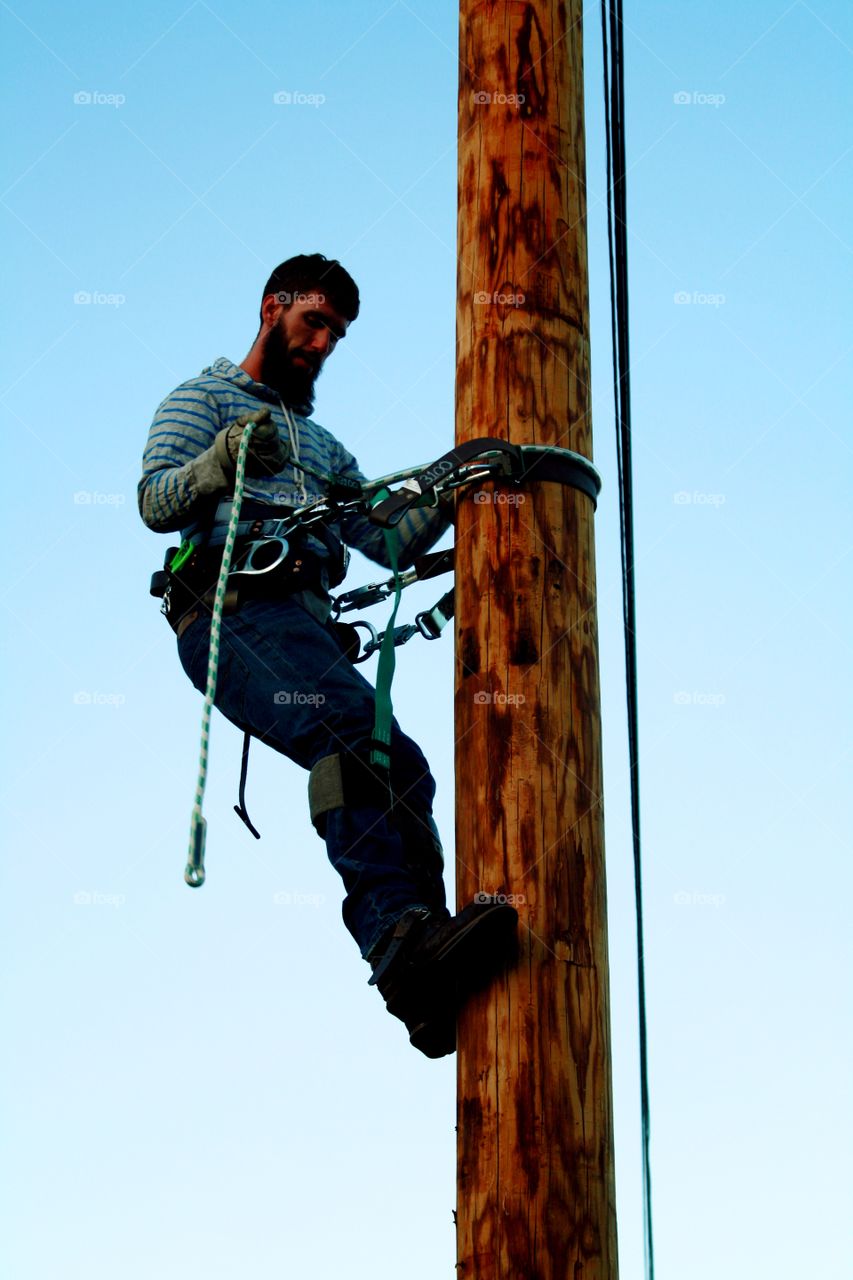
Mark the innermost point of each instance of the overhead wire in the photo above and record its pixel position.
(617, 240)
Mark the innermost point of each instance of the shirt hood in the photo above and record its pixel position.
(224, 369)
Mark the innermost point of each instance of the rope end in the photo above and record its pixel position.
(194, 874)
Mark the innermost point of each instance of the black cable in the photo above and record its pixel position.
(617, 240)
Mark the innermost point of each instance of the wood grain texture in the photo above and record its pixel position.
(536, 1195)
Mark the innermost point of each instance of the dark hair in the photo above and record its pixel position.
(314, 272)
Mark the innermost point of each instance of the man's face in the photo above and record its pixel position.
(304, 335)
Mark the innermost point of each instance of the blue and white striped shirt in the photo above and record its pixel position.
(186, 423)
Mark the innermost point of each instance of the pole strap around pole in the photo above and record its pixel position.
(486, 458)
(563, 466)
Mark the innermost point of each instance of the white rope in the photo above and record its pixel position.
(194, 873)
(299, 475)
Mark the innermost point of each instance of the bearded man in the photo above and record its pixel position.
(283, 676)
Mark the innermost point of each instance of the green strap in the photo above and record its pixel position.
(387, 656)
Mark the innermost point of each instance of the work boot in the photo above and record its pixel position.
(426, 967)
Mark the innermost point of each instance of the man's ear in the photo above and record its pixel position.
(270, 311)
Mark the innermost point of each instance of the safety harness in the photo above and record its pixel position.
(252, 550)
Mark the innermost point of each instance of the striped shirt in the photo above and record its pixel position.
(186, 424)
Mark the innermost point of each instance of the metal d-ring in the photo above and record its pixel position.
(373, 644)
(253, 548)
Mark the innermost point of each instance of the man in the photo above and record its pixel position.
(282, 673)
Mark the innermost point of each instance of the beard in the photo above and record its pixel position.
(294, 383)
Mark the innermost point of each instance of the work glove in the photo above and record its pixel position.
(214, 470)
(268, 453)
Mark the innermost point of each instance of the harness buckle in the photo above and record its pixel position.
(262, 548)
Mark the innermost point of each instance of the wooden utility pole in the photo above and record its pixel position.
(536, 1192)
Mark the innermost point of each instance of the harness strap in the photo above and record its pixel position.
(325, 787)
(240, 809)
(345, 779)
(387, 661)
(431, 622)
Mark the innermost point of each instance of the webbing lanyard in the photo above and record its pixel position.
(381, 746)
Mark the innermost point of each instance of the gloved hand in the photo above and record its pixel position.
(268, 453)
(213, 471)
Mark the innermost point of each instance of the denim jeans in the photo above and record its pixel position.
(283, 677)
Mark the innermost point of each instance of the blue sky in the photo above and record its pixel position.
(202, 1084)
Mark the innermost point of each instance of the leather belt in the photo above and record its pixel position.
(185, 622)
